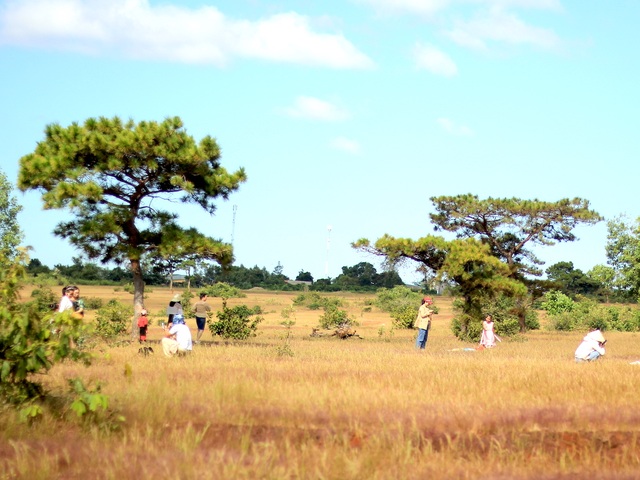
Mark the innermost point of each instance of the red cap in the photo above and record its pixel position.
(427, 300)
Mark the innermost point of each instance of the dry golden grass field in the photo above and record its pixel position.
(360, 408)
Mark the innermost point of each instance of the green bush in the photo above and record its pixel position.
(223, 290)
(587, 314)
(44, 299)
(315, 301)
(503, 308)
(465, 328)
(405, 316)
(334, 317)
(236, 323)
(113, 320)
(555, 302)
(397, 298)
(93, 303)
(402, 304)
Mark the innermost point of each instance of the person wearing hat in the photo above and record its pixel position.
(591, 348)
(178, 340)
(175, 307)
(143, 323)
(423, 322)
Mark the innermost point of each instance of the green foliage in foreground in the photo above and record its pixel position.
(237, 323)
(30, 341)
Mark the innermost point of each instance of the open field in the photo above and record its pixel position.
(370, 408)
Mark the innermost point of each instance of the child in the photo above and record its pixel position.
(143, 323)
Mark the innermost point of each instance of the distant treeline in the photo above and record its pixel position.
(360, 277)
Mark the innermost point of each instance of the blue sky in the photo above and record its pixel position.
(347, 115)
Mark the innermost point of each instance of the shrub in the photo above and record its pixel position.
(334, 317)
(555, 302)
(113, 320)
(223, 290)
(236, 323)
(404, 317)
(503, 308)
(401, 303)
(93, 303)
(315, 301)
(44, 299)
(465, 328)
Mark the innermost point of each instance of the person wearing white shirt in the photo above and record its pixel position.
(66, 302)
(591, 348)
(178, 341)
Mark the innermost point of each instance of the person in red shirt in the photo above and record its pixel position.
(143, 323)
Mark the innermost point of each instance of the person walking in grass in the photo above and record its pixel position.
(423, 322)
(201, 309)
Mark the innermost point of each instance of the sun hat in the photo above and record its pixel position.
(176, 298)
(143, 312)
(177, 318)
(596, 335)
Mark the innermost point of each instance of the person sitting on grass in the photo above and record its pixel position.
(178, 339)
(591, 348)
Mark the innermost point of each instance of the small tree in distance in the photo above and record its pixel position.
(115, 177)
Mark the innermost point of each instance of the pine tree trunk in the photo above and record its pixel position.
(138, 296)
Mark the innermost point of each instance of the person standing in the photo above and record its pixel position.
(66, 302)
(78, 303)
(591, 348)
(423, 322)
(488, 338)
(174, 308)
(143, 324)
(201, 310)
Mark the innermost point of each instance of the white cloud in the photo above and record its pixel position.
(452, 128)
(474, 23)
(432, 7)
(421, 7)
(315, 109)
(500, 26)
(346, 145)
(134, 28)
(434, 60)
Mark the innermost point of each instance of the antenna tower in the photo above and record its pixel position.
(326, 264)
(233, 224)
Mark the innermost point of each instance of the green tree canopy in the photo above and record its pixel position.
(510, 225)
(304, 276)
(623, 255)
(572, 281)
(10, 233)
(115, 177)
